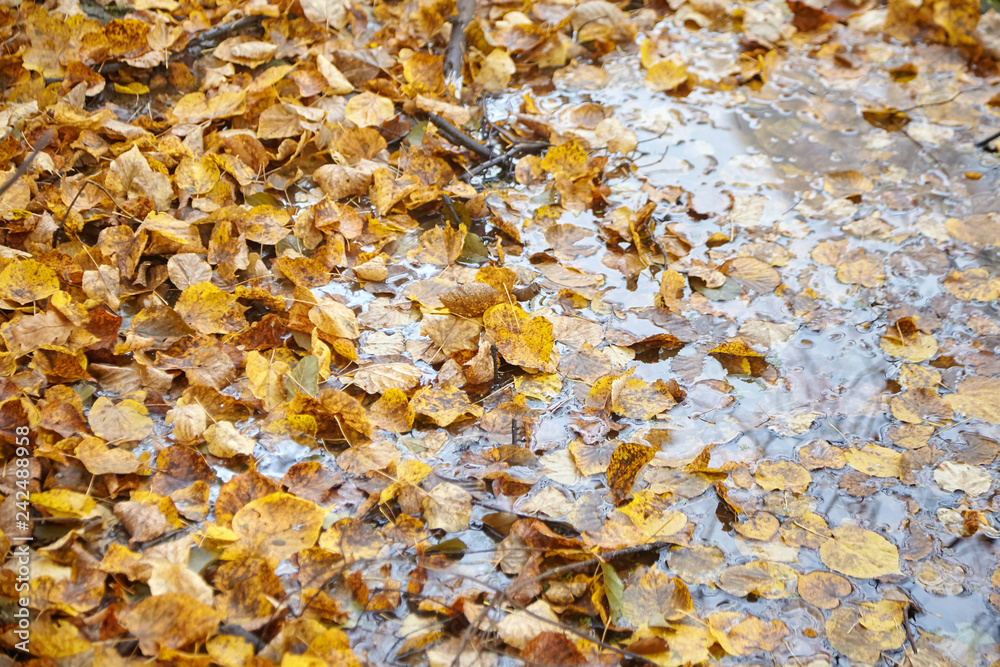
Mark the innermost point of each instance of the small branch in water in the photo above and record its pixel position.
(512, 152)
(459, 138)
(985, 143)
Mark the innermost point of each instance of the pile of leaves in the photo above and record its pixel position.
(332, 354)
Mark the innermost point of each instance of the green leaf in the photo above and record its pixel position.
(304, 378)
(614, 589)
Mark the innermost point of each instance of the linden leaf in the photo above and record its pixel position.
(666, 76)
(100, 459)
(447, 507)
(762, 578)
(367, 109)
(977, 397)
(170, 621)
(917, 405)
(335, 319)
(521, 340)
(861, 632)
(444, 405)
(824, 589)
(969, 479)
(125, 422)
(392, 412)
(653, 597)
(973, 285)
(377, 378)
(859, 553)
(847, 183)
(783, 476)
(874, 460)
(637, 399)
(27, 280)
(626, 462)
(496, 71)
(209, 310)
(275, 527)
(742, 635)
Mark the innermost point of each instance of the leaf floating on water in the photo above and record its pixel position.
(859, 553)
(626, 462)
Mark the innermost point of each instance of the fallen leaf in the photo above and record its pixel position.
(859, 553)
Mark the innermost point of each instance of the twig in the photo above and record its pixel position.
(562, 569)
(454, 54)
(459, 138)
(214, 36)
(22, 168)
(986, 142)
(513, 151)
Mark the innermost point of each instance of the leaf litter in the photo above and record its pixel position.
(646, 334)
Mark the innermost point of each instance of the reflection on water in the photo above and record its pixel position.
(756, 165)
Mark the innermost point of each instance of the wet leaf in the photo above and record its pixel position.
(978, 398)
(824, 589)
(653, 598)
(862, 632)
(626, 462)
(521, 339)
(859, 553)
(444, 405)
(761, 578)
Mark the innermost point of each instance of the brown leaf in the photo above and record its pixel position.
(171, 621)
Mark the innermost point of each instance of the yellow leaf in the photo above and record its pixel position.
(973, 285)
(125, 422)
(27, 280)
(522, 340)
(978, 398)
(874, 460)
(209, 310)
(542, 386)
(496, 71)
(134, 88)
(170, 621)
(762, 578)
(861, 632)
(637, 399)
(267, 379)
(62, 502)
(666, 75)
(568, 159)
(626, 462)
(367, 109)
(741, 635)
(392, 412)
(824, 589)
(444, 405)
(783, 476)
(653, 598)
(859, 553)
(275, 527)
(847, 183)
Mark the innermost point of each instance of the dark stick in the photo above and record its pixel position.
(22, 168)
(516, 149)
(214, 36)
(986, 142)
(454, 54)
(459, 138)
